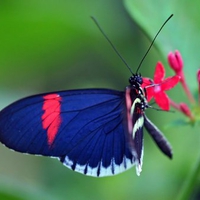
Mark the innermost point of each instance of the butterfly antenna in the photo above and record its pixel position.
(153, 42)
(101, 30)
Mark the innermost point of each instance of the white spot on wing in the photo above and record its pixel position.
(68, 162)
(137, 100)
(139, 165)
(138, 124)
(125, 165)
(138, 169)
(91, 171)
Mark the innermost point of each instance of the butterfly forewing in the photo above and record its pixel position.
(84, 128)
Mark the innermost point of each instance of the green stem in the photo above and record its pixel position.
(190, 182)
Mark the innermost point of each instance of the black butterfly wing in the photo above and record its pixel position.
(83, 128)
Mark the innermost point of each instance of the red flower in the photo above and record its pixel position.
(156, 88)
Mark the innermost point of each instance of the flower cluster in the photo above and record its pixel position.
(156, 88)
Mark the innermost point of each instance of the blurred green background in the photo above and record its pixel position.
(54, 45)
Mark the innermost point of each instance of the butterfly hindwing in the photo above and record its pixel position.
(83, 128)
(135, 121)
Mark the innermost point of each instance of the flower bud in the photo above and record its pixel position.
(175, 61)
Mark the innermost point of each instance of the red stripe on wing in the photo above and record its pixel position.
(51, 118)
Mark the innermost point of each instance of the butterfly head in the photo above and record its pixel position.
(136, 80)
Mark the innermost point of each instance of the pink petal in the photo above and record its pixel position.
(162, 100)
(170, 82)
(150, 93)
(146, 82)
(159, 73)
(148, 85)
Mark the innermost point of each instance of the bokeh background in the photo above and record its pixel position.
(54, 45)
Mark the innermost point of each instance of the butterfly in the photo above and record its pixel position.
(97, 132)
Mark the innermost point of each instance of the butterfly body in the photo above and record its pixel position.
(97, 132)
